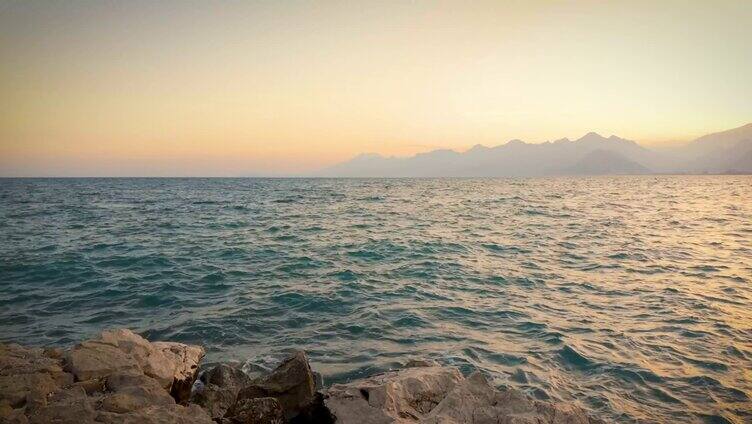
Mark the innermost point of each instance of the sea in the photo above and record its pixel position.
(630, 296)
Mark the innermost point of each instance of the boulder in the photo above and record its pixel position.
(291, 383)
(440, 395)
(92, 360)
(396, 396)
(173, 365)
(185, 359)
(158, 414)
(219, 389)
(28, 375)
(256, 411)
(473, 400)
(117, 378)
(70, 406)
(127, 392)
(150, 359)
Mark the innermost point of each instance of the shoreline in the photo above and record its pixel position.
(120, 377)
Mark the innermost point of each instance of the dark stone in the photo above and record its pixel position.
(291, 383)
(221, 385)
(315, 413)
(265, 410)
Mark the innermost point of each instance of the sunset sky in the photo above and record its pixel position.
(283, 87)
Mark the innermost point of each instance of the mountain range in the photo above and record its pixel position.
(592, 154)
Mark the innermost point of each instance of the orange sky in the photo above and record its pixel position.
(268, 87)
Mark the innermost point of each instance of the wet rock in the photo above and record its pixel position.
(395, 396)
(221, 385)
(291, 383)
(256, 411)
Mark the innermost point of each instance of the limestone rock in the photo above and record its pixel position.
(158, 414)
(128, 392)
(256, 411)
(93, 360)
(117, 378)
(474, 401)
(440, 395)
(173, 365)
(396, 396)
(150, 359)
(185, 359)
(291, 383)
(28, 374)
(70, 406)
(220, 388)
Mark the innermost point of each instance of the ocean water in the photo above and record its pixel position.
(630, 296)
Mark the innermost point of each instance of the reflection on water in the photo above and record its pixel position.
(628, 295)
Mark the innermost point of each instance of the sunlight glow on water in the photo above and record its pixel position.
(628, 295)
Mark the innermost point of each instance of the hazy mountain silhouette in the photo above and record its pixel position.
(600, 162)
(725, 151)
(592, 154)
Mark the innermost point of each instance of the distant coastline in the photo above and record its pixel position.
(722, 153)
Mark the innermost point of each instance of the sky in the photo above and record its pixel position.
(225, 88)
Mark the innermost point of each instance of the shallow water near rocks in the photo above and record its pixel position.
(630, 296)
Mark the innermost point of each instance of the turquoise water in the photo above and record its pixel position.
(631, 296)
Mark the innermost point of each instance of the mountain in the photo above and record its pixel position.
(591, 154)
(721, 152)
(605, 162)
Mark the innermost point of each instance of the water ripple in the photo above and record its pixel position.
(628, 295)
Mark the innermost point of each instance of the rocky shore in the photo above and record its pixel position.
(120, 377)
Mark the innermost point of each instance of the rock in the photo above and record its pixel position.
(474, 400)
(151, 360)
(186, 359)
(221, 386)
(315, 413)
(318, 381)
(28, 375)
(173, 365)
(122, 378)
(92, 360)
(396, 396)
(91, 387)
(118, 378)
(291, 383)
(156, 414)
(70, 406)
(265, 410)
(130, 392)
(8, 415)
(440, 395)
